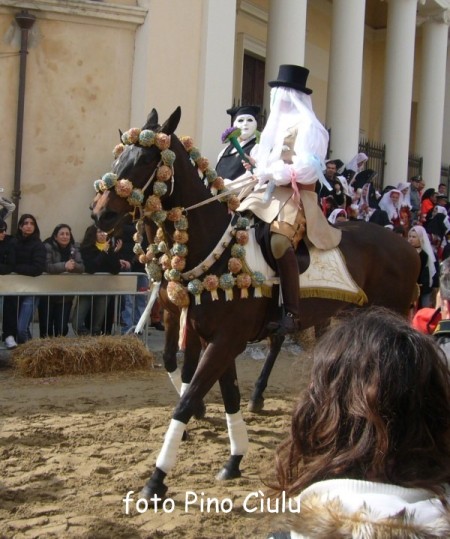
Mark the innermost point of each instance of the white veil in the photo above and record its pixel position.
(291, 108)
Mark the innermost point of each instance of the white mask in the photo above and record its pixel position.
(247, 125)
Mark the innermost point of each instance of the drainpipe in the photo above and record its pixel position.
(25, 21)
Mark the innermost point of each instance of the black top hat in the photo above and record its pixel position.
(253, 110)
(292, 76)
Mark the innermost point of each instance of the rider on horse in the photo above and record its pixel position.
(288, 163)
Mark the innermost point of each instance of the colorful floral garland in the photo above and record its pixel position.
(158, 257)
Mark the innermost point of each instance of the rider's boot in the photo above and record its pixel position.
(288, 273)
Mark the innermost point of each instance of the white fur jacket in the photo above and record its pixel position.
(350, 509)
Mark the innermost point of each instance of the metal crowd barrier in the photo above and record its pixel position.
(119, 291)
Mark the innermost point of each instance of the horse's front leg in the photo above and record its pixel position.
(256, 403)
(172, 328)
(215, 361)
(181, 378)
(237, 431)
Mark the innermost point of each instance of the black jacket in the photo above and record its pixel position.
(100, 261)
(30, 256)
(7, 255)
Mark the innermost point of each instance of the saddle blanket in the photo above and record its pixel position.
(326, 277)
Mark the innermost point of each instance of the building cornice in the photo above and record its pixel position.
(64, 9)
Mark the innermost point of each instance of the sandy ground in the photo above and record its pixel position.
(72, 447)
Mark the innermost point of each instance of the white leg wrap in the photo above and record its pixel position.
(168, 454)
(237, 431)
(184, 388)
(175, 378)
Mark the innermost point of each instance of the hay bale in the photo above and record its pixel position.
(81, 355)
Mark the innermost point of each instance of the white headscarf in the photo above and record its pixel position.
(405, 199)
(291, 109)
(353, 163)
(388, 206)
(425, 245)
(334, 215)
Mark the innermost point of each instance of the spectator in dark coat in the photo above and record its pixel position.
(30, 260)
(63, 256)
(99, 254)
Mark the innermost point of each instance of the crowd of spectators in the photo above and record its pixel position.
(417, 213)
(25, 253)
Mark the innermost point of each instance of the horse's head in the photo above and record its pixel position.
(123, 190)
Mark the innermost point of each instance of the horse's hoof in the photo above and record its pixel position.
(256, 406)
(150, 490)
(200, 412)
(225, 474)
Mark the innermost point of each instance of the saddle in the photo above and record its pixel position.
(262, 235)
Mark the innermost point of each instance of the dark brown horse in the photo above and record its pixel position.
(384, 265)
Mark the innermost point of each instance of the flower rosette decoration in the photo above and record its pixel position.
(243, 282)
(243, 223)
(168, 157)
(234, 265)
(218, 183)
(202, 164)
(162, 141)
(165, 262)
(147, 138)
(233, 202)
(159, 189)
(153, 271)
(163, 173)
(211, 175)
(180, 236)
(124, 188)
(178, 263)
(162, 247)
(137, 249)
(194, 154)
(172, 275)
(118, 150)
(187, 142)
(238, 251)
(226, 283)
(109, 180)
(181, 224)
(241, 237)
(152, 204)
(211, 283)
(175, 214)
(231, 136)
(179, 249)
(159, 217)
(178, 294)
(195, 287)
(257, 282)
(131, 136)
(99, 186)
(136, 198)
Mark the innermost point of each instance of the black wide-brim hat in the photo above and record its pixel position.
(292, 76)
(252, 110)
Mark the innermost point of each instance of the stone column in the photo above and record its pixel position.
(286, 35)
(345, 77)
(400, 41)
(430, 114)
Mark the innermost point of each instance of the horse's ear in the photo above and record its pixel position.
(172, 122)
(120, 134)
(152, 120)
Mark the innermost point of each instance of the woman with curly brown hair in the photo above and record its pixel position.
(369, 448)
